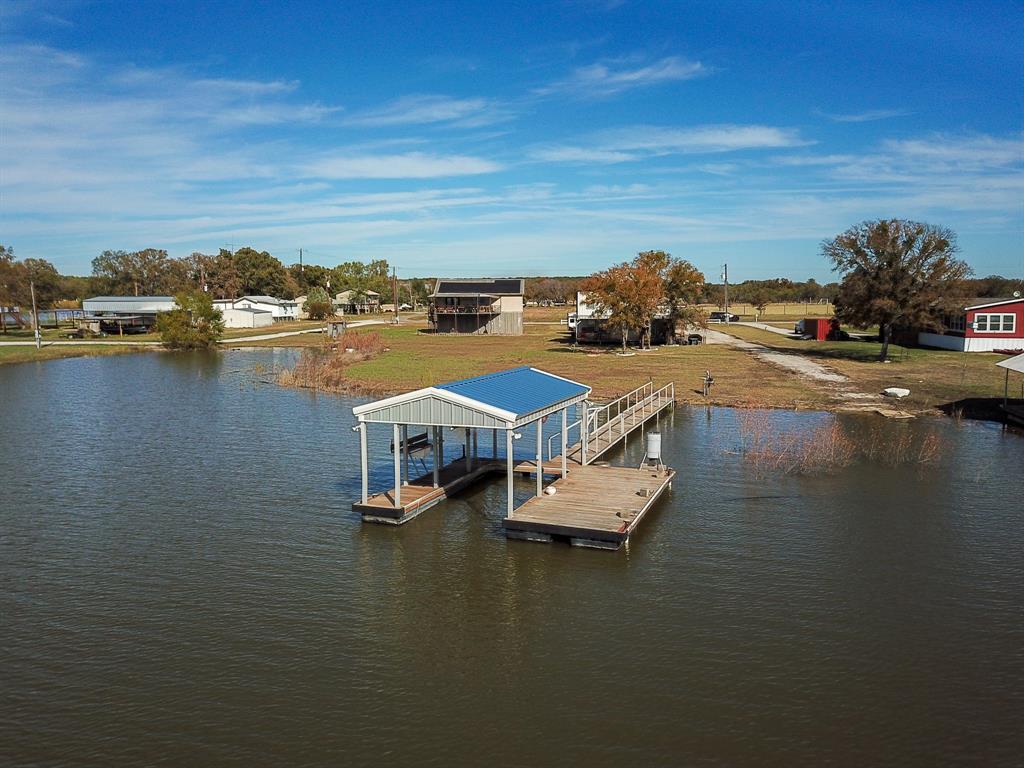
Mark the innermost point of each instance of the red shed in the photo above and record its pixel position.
(983, 325)
(820, 328)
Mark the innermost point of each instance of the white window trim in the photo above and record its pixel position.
(1001, 316)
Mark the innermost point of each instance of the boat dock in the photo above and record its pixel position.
(583, 503)
(595, 506)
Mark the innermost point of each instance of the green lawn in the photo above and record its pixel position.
(31, 354)
(934, 377)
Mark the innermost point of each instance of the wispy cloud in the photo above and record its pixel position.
(610, 77)
(644, 141)
(977, 151)
(410, 165)
(867, 116)
(431, 108)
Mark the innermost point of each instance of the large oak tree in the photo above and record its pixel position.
(895, 274)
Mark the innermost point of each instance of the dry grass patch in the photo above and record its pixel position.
(934, 377)
(324, 367)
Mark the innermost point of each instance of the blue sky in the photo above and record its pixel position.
(488, 139)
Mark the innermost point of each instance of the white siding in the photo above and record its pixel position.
(239, 318)
(973, 344)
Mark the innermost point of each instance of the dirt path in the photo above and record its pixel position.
(836, 384)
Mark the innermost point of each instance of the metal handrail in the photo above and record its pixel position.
(568, 430)
(668, 391)
(593, 416)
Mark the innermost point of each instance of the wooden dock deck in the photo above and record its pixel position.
(420, 494)
(594, 506)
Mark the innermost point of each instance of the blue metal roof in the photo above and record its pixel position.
(521, 391)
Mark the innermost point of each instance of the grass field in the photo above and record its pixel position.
(31, 354)
(417, 359)
(414, 359)
(92, 347)
(934, 377)
(55, 334)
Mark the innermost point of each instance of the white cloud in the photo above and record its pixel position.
(580, 155)
(608, 78)
(410, 165)
(975, 152)
(866, 116)
(644, 141)
(431, 108)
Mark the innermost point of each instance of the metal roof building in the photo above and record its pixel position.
(506, 400)
(128, 304)
(471, 287)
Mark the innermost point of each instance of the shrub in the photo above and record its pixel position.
(195, 324)
(830, 446)
(318, 304)
(324, 367)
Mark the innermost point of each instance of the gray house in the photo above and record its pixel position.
(477, 306)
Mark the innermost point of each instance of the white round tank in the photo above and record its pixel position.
(654, 445)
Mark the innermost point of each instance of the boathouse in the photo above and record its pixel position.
(587, 504)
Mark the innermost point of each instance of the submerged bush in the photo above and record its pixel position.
(830, 446)
(324, 367)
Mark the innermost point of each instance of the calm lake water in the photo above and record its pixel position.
(183, 583)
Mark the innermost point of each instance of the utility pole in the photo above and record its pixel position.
(394, 291)
(35, 314)
(301, 270)
(725, 280)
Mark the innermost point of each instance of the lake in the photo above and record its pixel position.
(184, 583)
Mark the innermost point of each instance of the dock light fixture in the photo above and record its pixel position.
(517, 435)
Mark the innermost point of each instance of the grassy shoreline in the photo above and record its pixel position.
(413, 359)
(935, 378)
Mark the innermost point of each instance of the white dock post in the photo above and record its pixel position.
(585, 433)
(469, 453)
(405, 452)
(437, 455)
(565, 440)
(397, 436)
(508, 465)
(540, 456)
(363, 461)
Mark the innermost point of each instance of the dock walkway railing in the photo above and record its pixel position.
(607, 424)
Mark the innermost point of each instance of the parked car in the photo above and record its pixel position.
(723, 317)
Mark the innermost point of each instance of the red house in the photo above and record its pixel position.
(983, 325)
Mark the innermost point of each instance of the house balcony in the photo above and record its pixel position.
(466, 309)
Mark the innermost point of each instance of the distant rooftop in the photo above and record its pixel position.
(501, 286)
(131, 298)
(989, 301)
(266, 299)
